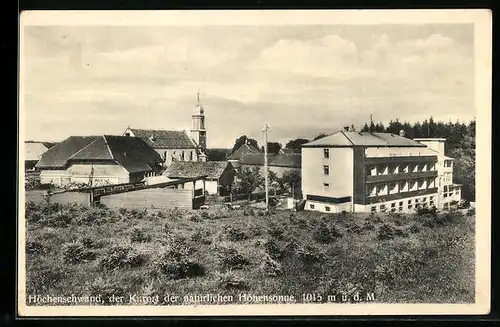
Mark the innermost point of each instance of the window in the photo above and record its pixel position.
(400, 203)
(327, 208)
(424, 199)
(382, 207)
(410, 206)
(127, 134)
(416, 200)
(326, 153)
(431, 203)
(326, 170)
(165, 155)
(191, 156)
(326, 186)
(409, 201)
(311, 206)
(373, 209)
(393, 205)
(431, 198)
(182, 155)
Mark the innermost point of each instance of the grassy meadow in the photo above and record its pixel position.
(77, 250)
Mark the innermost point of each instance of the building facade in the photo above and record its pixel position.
(368, 172)
(449, 192)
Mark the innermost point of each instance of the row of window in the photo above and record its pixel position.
(411, 204)
(405, 186)
(313, 206)
(393, 169)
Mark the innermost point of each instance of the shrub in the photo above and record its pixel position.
(426, 211)
(368, 225)
(231, 281)
(273, 249)
(175, 264)
(276, 231)
(230, 258)
(95, 215)
(471, 212)
(247, 211)
(354, 229)
(400, 232)
(119, 256)
(385, 232)
(33, 212)
(34, 247)
(310, 254)
(75, 253)
(326, 233)
(140, 236)
(195, 217)
(202, 236)
(235, 233)
(414, 229)
(122, 211)
(271, 267)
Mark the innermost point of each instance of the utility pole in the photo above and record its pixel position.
(265, 166)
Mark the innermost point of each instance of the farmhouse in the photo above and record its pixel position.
(33, 152)
(448, 191)
(238, 154)
(363, 172)
(219, 174)
(174, 145)
(277, 163)
(98, 160)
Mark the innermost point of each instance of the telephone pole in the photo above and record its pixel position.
(265, 166)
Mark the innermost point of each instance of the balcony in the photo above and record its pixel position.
(397, 177)
(401, 195)
(403, 159)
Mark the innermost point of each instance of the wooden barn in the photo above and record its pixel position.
(219, 174)
(98, 160)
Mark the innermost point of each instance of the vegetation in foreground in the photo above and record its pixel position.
(400, 258)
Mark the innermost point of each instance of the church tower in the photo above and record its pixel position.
(198, 132)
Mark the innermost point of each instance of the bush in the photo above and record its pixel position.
(368, 225)
(414, 229)
(75, 253)
(426, 211)
(273, 249)
(235, 234)
(471, 212)
(176, 264)
(310, 254)
(326, 233)
(138, 235)
(33, 247)
(231, 281)
(386, 232)
(202, 236)
(121, 257)
(354, 229)
(276, 231)
(195, 218)
(271, 267)
(247, 211)
(230, 258)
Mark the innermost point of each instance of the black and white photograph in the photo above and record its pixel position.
(184, 163)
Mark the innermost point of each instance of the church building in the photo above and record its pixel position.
(177, 145)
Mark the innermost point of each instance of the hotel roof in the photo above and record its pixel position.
(364, 139)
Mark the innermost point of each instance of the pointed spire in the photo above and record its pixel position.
(198, 96)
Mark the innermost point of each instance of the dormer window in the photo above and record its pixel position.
(127, 134)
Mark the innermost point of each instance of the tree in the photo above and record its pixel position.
(272, 147)
(292, 180)
(321, 135)
(365, 128)
(274, 181)
(295, 144)
(242, 140)
(249, 179)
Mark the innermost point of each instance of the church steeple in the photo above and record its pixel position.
(198, 131)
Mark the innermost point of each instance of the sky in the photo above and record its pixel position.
(301, 80)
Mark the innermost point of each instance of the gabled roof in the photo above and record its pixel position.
(273, 160)
(191, 169)
(162, 139)
(243, 150)
(366, 139)
(33, 150)
(131, 153)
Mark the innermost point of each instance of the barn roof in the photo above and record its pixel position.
(273, 160)
(33, 150)
(133, 154)
(367, 139)
(163, 139)
(191, 169)
(243, 150)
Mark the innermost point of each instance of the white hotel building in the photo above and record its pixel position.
(372, 172)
